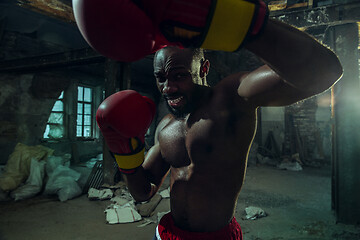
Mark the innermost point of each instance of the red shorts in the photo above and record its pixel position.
(166, 230)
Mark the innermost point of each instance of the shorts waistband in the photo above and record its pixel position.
(167, 230)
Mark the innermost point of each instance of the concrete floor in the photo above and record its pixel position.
(297, 204)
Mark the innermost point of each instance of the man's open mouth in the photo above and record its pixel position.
(175, 101)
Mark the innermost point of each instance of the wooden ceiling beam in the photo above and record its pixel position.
(52, 8)
(52, 61)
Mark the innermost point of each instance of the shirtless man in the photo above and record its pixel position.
(204, 143)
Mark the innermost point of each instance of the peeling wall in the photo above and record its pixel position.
(23, 116)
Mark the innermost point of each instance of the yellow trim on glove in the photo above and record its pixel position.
(229, 26)
(131, 160)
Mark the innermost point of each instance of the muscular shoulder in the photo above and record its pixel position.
(229, 85)
(227, 90)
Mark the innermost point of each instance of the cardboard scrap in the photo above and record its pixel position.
(147, 221)
(122, 214)
(95, 194)
(165, 193)
(120, 200)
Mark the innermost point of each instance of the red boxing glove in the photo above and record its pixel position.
(127, 30)
(210, 24)
(123, 119)
(117, 29)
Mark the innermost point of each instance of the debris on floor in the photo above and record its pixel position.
(147, 221)
(291, 166)
(165, 193)
(124, 208)
(146, 209)
(120, 200)
(103, 194)
(122, 214)
(253, 213)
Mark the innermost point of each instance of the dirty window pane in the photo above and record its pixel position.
(87, 109)
(87, 131)
(55, 128)
(58, 106)
(80, 108)
(79, 131)
(61, 95)
(80, 93)
(87, 119)
(79, 120)
(47, 131)
(87, 94)
(56, 118)
(56, 131)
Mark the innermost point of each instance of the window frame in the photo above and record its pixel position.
(91, 115)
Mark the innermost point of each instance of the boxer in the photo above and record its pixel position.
(203, 144)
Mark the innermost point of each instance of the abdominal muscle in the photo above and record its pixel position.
(203, 201)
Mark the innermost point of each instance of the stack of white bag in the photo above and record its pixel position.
(33, 184)
(62, 179)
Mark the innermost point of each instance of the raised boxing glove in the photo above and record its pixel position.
(209, 24)
(123, 119)
(127, 30)
(117, 29)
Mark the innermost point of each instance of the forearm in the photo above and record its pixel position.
(297, 57)
(139, 185)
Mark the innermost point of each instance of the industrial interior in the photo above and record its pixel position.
(303, 166)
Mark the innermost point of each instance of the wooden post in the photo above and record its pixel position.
(112, 84)
(117, 77)
(346, 143)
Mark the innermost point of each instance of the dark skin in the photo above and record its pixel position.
(205, 150)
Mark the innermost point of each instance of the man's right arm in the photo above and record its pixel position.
(146, 181)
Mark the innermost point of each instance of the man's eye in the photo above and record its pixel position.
(160, 79)
(181, 75)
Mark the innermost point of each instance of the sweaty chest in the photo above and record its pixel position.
(177, 141)
(196, 141)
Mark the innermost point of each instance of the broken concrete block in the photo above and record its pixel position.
(253, 213)
(145, 209)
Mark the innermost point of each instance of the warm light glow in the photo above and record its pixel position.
(358, 23)
(277, 5)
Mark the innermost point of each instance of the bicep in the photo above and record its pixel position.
(154, 166)
(264, 87)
